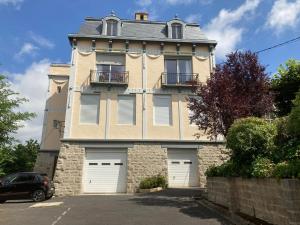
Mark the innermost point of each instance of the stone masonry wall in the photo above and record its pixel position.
(68, 175)
(145, 160)
(45, 163)
(274, 201)
(210, 155)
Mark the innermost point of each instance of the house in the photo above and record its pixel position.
(118, 112)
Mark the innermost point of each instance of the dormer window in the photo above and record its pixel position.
(176, 31)
(112, 28)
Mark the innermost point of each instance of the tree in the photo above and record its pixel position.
(285, 84)
(19, 158)
(294, 118)
(10, 117)
(25, 155)
(10, 122)
(238, 88)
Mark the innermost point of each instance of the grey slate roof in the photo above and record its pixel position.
(142, 30)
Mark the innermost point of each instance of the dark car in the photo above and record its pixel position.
(26, 185)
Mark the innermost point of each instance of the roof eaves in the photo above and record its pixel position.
(202, 41)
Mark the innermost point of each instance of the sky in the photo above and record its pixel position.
(34, 34)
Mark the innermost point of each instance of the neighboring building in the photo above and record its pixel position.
(121, 106)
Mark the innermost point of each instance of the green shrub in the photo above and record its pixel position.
(153, 182)
(229, 169)
(249, 138)
(287, 145)
(289, 169)
(262, 167)
(294, 117)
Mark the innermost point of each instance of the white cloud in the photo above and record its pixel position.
(225, 29)
(41, 41)
(16, 3)
(27, 49)
(144, 3)
(193, 18)
(32, 84)
(178, 2)
(284, 14)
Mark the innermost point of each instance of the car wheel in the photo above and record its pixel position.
(38, 196)
(2, 201)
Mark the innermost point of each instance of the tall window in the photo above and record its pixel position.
(112, 28)
(176, 31)
(111, 68)
(126, 109)
(89, 108)
(162, 110)
(178, 70)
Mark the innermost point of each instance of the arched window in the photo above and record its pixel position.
(176, 31)
(112, 27)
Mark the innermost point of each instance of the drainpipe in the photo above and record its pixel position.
(144, 94)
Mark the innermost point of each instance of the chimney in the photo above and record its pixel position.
(141, 16)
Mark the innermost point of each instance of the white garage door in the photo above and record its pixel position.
(105, 171)
(182, 168)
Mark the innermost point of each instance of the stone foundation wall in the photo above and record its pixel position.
(210, 155)
(145, 160)
(271, 200)
(45, 163)
(68, 175)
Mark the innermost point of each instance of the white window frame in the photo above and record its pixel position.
(98, 109)
(111, 31)
(177, 26)
(170, 110)
(134, 110)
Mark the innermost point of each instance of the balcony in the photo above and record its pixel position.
(113, 78)
(179, 79)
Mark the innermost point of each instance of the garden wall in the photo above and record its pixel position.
(271, 200)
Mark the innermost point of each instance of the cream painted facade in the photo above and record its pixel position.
(144, 76)
(145, 71)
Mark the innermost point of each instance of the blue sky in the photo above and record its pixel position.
(34, 33)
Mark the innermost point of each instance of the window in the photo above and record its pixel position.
(162, 110)
(126, 109)
(55, 124)
(191, 113)
(112, 28)
(24, 178)
(111, 68)
(178, 70)
(89, 108)
(176, 31)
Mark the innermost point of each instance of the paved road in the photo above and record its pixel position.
(169, 207)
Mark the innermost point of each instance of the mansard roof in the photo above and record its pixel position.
(142, 30)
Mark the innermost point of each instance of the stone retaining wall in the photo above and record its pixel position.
(145, 160)
(271, 200)
(210, 155)
(68, 174)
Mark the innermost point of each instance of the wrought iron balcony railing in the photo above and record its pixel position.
(109, 77)
(179, 79)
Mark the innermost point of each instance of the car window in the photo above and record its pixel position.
(24, 178)
(9, 178)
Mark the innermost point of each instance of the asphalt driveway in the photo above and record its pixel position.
(170, 207)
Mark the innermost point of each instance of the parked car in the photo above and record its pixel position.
(26, 185)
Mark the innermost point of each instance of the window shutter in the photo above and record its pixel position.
(162, 110)
(126, 109)
(89, 108)
(110, 59)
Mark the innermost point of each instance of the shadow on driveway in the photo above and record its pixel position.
(183, 199)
